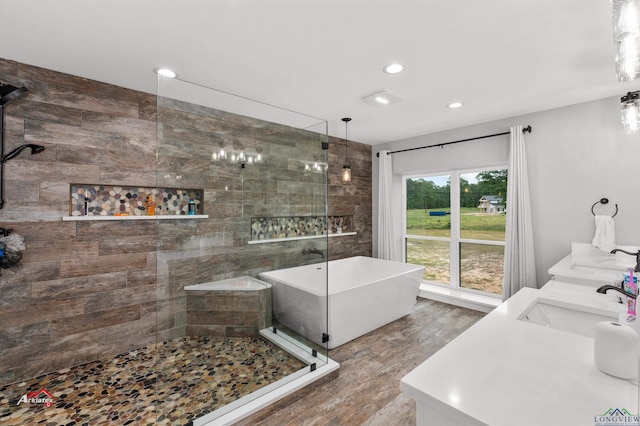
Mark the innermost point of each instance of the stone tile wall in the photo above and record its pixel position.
(271, 228)
(228, 313)
(110, 200)
(92, 289)
(351, 198)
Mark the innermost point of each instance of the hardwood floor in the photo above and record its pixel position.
(367, 390)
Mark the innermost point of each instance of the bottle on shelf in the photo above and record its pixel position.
(151, 206)
(122, 211)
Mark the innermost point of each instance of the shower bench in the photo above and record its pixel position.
(234, 307)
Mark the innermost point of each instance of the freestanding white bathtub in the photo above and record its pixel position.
(363, 294)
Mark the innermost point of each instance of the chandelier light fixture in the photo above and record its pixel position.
(236, 157)
(346, 169)
(630, 108)
(315, 167)
(626, 38)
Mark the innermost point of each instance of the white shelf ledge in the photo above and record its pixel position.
(141, 217)
(306, 237)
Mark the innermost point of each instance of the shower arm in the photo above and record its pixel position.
(9, 93)
(35, 149)
(1, 156)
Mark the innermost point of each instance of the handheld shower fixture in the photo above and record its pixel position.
(8, 94)
(35, 149)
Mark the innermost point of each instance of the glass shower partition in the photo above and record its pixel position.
(241, 192)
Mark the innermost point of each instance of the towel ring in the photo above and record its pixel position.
(603, 201)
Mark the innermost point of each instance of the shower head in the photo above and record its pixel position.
(9, 93)
(35, 149)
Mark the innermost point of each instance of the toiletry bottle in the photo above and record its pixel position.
(631, 286)
(122, 210)
(192, 207)
(151, 206)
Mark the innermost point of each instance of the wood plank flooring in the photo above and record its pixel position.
(367, 390)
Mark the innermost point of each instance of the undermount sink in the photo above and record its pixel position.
(576, 319)
(585, 257)
(612, 262)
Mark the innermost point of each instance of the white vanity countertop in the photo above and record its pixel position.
(503, 371)
(584, 265)
(565, 269)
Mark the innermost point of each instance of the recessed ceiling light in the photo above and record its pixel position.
(454, 105)
(393, 68)
(165, 72)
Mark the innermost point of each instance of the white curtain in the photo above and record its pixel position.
(519, 258)
(388, 215)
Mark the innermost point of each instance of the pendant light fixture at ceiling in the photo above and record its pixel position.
(346, 170)
(630, 108)
(626, 38)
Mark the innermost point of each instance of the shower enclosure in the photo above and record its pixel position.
(255, 177)
(146, 221)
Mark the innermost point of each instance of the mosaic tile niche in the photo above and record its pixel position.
(273, 228)
(111, 200)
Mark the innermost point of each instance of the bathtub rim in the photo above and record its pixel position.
(268, 275)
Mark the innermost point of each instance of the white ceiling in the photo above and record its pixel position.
(320, 57)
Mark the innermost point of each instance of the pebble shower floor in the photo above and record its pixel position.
(172, 385)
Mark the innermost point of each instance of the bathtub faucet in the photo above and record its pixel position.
(313, 250)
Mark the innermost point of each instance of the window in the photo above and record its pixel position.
(455, 227)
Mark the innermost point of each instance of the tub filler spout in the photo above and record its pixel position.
(313, 250)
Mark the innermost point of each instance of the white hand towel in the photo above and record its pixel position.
(605, 235)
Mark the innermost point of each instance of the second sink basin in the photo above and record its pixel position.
(567, 317)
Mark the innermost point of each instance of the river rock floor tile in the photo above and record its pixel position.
(172, 383)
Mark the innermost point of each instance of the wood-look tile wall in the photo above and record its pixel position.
(86, 290)
(228, 313)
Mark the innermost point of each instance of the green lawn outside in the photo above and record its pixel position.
(473, 224)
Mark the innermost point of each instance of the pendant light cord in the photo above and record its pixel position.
(346, 140)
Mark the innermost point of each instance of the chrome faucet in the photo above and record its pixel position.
(637, 255)
(313, 250)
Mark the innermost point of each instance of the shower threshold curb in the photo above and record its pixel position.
(264, 397)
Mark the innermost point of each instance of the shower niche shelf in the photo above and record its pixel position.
(158, 217)
(90, 202)
(292, 228)
(278, 240)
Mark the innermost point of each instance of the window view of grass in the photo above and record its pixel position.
(473, 224)
(433, 255)
(481, 267)
(482, 218)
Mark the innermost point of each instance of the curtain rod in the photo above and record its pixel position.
(524, 130)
